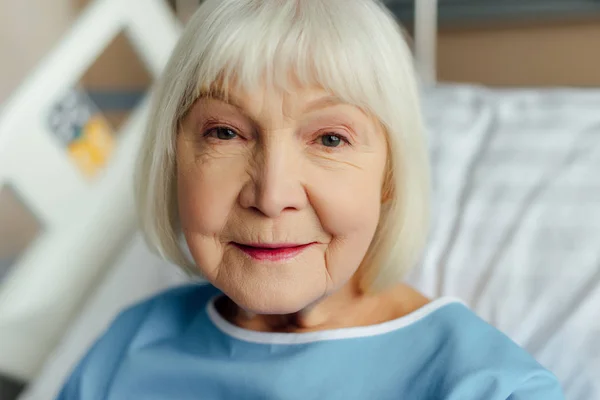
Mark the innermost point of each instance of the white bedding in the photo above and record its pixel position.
(517, 219)
(516, 232)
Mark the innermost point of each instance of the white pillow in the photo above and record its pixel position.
(517, 219)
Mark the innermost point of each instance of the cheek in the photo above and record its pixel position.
(348, 207)
(348, 203)
(207, 191)
(202, 206)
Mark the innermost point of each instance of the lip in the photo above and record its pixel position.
(274, 252)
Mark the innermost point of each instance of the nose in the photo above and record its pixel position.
(275, 185)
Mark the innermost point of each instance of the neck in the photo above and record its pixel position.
(348, 307)
(324, 313)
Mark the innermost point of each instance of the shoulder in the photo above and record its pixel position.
(161, 316)
(478, 361)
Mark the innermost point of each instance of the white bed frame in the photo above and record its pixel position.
(426, 29)
(87, 223)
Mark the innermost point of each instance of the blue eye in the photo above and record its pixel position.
(222, 133)
(331, 140)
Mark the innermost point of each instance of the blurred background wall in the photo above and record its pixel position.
(28, 29)
(525, 53)
(531, 51)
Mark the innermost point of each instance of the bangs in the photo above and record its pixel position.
(285, 44)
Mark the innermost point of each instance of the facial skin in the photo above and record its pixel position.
(273, 169)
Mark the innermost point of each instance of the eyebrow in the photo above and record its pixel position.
(322, 102)
(228, 99)
(314, 105)
(222, 96)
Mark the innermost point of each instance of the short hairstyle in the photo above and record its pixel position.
(354, 49)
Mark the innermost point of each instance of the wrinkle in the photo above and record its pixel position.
(339, 163)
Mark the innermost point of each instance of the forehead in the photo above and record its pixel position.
(262, 101)
(302, 97)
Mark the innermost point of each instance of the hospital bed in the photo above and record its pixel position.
(515, 228)
(85, 221)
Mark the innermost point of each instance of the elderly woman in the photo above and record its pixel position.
(285, 164)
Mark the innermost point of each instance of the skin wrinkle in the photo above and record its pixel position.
(319, 104)
(325, 102)
(333, 160)
(277, 182)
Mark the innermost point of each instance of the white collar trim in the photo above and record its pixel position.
(334, 334)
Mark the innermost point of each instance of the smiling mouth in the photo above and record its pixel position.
(272, 252)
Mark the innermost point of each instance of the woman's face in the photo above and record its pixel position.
(279, 195)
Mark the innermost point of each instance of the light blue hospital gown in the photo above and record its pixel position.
(176, 346)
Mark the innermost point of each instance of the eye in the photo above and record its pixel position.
(222, 133)
(332, 140)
